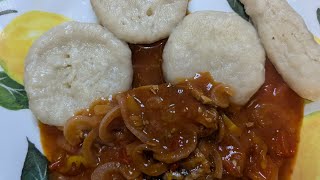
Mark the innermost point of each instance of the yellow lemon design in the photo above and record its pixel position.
(317, 39)
(308, 164)
(18, 36)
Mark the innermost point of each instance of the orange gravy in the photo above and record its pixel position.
(273, 114)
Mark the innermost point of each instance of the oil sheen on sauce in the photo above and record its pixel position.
(273, 114)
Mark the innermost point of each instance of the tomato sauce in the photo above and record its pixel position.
(273, 117)
(267, 128)
(147, 64)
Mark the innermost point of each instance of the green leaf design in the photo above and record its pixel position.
(35, 166)
(12, 95)
(318, 14)
(238, 7)
(9, 11)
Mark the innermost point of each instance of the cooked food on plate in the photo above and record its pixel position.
(289, 44)
(181, 131)
(140, 21)
(220, 43)
(72, 65)
(206, 103)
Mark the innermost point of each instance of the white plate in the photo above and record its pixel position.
(17, 125)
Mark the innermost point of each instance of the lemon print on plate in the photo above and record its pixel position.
(18, 36)
(317, 39)
(308, 164)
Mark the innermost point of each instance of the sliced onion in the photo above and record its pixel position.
(101, 109)
(91, 160)
(222, 130)
(212, 155)
(114, 167)
(221, 94)
(75, 126)
(105, 135)
(182, 152)
(232, 127)
(101, 171)
(198, 166)
(194, 160)
(127, 121)
(131, 147)
(129, 172)
(147, 166)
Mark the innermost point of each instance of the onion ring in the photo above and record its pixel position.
(181, 153)
(145, 165)
(76, 125)
(222, 130)
(105, 135)
(212, 155)
(114, 167)
(91, 160)
(126, 119)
